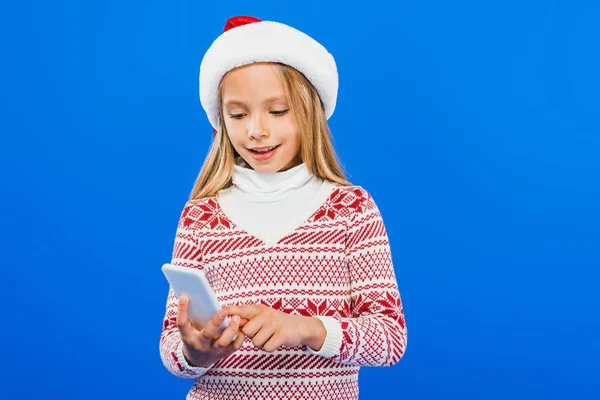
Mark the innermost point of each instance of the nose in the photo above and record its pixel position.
(258, 127)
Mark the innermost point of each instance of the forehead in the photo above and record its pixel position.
(254, 82)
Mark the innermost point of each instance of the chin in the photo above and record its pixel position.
(266, 169)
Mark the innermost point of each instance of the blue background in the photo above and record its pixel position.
(475, 126)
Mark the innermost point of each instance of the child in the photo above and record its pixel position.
(298, 257)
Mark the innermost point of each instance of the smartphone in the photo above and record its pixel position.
(203, 303)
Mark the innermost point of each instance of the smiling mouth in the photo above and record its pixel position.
(262, 150)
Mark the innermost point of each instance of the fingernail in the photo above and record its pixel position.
(236, 319)
(222, 315)
(183, 299)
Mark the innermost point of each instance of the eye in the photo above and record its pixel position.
(279, 112)
(236, 116)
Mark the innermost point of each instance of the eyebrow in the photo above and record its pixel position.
(268, 100)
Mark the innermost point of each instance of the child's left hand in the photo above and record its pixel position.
(269, 328)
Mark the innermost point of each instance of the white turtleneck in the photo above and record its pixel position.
(271, 205)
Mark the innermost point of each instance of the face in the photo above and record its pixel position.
(259, 122)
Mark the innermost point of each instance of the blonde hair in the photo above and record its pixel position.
(316, 145)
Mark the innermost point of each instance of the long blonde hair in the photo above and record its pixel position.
(316, 146)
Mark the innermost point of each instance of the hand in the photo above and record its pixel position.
(269, 328)
(203, 346)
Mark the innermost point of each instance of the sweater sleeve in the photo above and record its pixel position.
(186, 252)
(375, 334)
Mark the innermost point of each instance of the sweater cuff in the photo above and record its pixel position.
(333, 338)
(194, 371)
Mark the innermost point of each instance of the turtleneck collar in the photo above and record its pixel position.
(269, 186)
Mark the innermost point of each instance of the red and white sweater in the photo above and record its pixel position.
(334, 264)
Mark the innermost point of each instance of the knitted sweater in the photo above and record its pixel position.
(335, 265)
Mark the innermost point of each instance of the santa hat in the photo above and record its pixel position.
(246, 40)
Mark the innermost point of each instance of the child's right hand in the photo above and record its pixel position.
(203, 346)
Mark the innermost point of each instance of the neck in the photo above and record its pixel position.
(269, 186)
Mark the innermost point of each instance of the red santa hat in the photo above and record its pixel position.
(246, 40)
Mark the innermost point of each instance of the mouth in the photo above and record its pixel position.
(263, 153)
(263, 150)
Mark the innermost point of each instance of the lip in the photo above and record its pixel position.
(262, 147)
(263, 156)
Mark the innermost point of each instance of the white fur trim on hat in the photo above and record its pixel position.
(266, 41)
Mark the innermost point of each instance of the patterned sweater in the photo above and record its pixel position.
(336, 265)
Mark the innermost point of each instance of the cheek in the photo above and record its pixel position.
(290, 132)
(235, 132)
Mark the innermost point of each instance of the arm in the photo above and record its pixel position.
(376, 333)
(186, 252)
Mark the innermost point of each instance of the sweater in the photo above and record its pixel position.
(271, 204)
(333, 263)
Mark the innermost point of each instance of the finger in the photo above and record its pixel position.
(183, 322)
(246, 312)
(239, 341)
(263, 336)
(243, 321)
(212, 329)
(253, 326)
(229, 334)
(273, 343)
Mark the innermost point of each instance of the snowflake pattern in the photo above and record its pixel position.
(343, 201)
(205, 213)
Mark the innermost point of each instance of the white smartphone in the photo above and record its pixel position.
(203, 303)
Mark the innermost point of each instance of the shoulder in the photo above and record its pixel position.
(198, 213)
(355, 198)
(346, 202)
